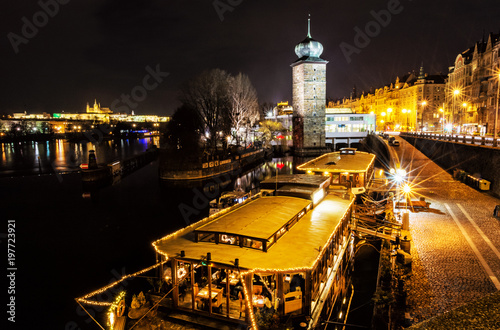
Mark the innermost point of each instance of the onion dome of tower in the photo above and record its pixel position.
(309, 48)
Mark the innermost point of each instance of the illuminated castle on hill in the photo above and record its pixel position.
(97, 108)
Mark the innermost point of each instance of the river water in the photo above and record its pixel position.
(72, 239)
(31, 157)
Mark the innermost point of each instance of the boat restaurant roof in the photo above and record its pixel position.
(347, 160)
(276, 232)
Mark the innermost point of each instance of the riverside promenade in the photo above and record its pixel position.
(455, 250)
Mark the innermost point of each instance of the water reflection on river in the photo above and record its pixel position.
(68, 244)
(32, 157)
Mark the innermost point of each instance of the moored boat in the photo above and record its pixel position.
(347, 169)
(201, 169)
(227, 199)
(282, 257)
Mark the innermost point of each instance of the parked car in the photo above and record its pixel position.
(395, 143)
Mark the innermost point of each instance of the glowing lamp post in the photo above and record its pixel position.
(382, 121)
(424, 103)
(398, 176)
(389, 115)
(407, 112)
(442, 118)
(455, 95)
(464, 105)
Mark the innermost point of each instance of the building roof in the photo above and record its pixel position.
(260, 218)
(298, 248)
(335, 162)
(295, 179)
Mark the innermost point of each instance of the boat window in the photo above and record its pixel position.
(218, 292)
(280, 232)
(206, 237)
(293, 290)
(252, 243)
(229, 239)
(185, 284)
(293, 221)
(264, 294)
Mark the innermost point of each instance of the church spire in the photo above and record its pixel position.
(422, 72)
(309, 26)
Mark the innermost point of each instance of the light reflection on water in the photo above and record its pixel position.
(110, 230)
(24, 158)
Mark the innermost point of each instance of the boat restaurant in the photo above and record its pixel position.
(347, 168)
(286, 254)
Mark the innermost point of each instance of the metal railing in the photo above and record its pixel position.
(458, 138)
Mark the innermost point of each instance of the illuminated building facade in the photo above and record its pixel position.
(471, 88)
(410, 103)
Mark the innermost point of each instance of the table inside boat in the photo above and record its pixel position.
(216, 295)
(233, 280)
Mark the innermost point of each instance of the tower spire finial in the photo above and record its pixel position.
(309, 26)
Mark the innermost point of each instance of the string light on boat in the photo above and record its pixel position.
(111, 285)
(249, 306)
(112, 311)
(195, 225)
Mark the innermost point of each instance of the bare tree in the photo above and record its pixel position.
(269, 129)
(244, 105)
(208, 95)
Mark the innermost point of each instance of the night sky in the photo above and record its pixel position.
(100, 49)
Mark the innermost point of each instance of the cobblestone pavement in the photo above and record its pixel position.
(448, 269)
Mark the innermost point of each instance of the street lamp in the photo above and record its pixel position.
(464, 106)
(398, 175)
(442, 119)
(455, 94)
(382, 121)
(407, 112)
(404, 111)
(424, 103)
